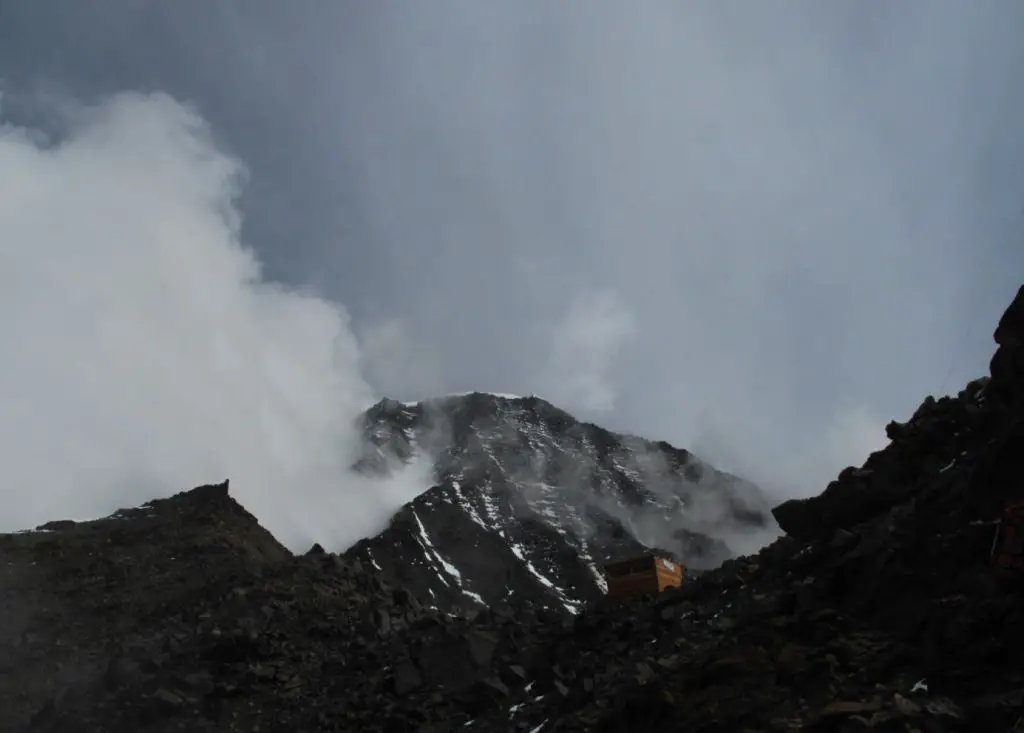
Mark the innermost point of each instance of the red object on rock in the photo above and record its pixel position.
(1008, 545)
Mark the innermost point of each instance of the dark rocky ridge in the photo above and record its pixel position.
(530, 502)
(186, 615)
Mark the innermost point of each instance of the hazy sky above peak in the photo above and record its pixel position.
(757, 230)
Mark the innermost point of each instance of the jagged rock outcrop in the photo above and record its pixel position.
(940, 433)
(185, 615)
(1007, 365)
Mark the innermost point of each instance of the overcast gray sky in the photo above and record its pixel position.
(755, 229)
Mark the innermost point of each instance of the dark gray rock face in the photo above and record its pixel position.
(530, 503)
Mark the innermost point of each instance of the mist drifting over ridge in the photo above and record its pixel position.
(758, 235)
(144, 351)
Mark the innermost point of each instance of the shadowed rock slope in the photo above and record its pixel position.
(879, 611)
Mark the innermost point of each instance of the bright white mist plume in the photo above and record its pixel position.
(144, 354)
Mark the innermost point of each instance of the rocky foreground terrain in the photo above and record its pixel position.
(878, 611)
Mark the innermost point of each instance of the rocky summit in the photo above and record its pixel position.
(530, 503)
(879, 610)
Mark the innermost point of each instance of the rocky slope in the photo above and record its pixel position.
(878, 611)
(530, 503)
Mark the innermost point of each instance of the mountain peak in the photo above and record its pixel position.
(529, 502)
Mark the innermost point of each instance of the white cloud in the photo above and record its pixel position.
(144, 354)
(584, 344)
(739, 444)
